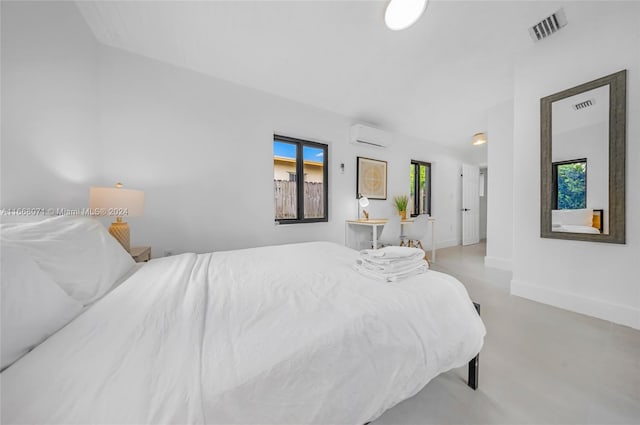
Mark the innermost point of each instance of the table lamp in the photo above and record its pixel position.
(118, 202)
(363, 202)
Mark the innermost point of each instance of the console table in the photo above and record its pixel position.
(374, 223)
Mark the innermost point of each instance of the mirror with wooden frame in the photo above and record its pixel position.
(582, 171)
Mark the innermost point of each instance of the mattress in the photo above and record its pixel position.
(282, 334)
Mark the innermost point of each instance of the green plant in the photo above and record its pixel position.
(401, 202)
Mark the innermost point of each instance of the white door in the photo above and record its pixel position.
(470, 204)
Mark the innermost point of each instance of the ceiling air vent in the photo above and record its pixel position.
(583, 105)
(548, 26)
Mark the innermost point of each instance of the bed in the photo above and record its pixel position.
(279, 334)
(585, 220)
(572, 228)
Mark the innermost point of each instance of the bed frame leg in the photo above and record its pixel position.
(474, 364)
(473, 372)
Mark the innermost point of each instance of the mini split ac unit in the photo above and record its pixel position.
(365, 136)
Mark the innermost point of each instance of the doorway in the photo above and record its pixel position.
(483, 194)
(470, 204)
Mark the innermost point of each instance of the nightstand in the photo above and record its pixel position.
(140, 254)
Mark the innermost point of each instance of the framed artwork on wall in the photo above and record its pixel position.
(371, 178)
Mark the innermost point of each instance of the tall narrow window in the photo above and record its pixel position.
(420, 190)
(305, 199)
(570, 184)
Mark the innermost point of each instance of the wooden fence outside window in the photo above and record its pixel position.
(285, 198)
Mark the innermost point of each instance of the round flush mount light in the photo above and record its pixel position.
(401, 14)
(479, 139)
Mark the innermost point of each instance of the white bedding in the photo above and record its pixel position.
(572, 228)
(278, 335)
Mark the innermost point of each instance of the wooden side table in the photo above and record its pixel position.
(140, 254)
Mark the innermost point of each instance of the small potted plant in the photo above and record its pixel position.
(401, 202)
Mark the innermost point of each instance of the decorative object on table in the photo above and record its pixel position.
(401, 202)
(118, 202)
(371, 178)
(363, 202)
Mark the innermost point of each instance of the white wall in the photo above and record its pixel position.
(476, 155)
(593, 278)
(200, 148)
(500, 185)
(49, 117)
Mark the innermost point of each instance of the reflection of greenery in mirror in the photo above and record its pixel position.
(421, 187)
(571, 183)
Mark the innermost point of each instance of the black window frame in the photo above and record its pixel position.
(554, 179)
(300, 144)
(416, 186)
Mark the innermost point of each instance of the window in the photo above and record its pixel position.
(420, 176)
(570, 184)
(302, 200)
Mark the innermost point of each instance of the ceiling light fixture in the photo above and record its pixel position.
(402, 14)
(479, 139)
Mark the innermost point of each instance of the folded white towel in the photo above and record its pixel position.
(394, 267)
(408, 268)
(389, 278)
(391, 254)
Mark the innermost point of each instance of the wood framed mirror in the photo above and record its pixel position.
(583, 159)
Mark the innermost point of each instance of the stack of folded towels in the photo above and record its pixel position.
(391, 263)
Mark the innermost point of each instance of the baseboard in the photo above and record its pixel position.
(447, 244)
(498, 263)
(623, 315)
(439, 244)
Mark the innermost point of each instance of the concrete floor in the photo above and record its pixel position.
(539, 364)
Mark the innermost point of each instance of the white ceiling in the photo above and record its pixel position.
(434, 81)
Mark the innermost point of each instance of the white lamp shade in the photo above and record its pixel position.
(363, 201)
(114, 201)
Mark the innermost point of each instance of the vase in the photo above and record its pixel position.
(403, 215)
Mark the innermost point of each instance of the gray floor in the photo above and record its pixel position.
(539, 365)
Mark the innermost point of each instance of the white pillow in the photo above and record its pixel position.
(580, 217)
(77, 252)
(33, 305)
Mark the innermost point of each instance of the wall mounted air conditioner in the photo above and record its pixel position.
(366, 136)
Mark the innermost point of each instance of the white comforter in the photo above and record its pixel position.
(572, 228)
(278, 335)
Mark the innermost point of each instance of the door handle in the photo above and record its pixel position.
(466, 209)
